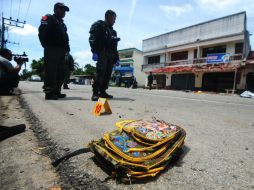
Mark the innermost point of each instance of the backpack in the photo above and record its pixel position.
(138, 149)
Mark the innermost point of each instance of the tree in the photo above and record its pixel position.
(76, 65)
(26, 74)
(38, 67)
(89, 69)
(77, 70)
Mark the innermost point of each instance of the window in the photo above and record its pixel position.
(154, 59)
(238, 48)
(195, 53)
(125, 55)
(215, 49)
(125, 65)
(183, 55)
(129, 55)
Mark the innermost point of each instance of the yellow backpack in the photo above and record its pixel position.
(139, 148)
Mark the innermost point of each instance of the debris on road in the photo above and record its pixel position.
(247, 94)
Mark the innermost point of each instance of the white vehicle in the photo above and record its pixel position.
(35, 78)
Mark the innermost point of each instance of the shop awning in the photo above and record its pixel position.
(123, 69)
(172, 69)
(204, 68)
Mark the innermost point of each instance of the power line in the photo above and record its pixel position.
(9, 22)
(28, 9)
(1, 6)
(11, 9)
(19, 8)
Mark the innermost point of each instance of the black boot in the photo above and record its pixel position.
(105, 95)
(51, 96)
(59, 95)
(95, 97)
(65, 86)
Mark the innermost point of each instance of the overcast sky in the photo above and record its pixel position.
(136, 20)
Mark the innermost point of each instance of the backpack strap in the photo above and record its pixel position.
(69, 155)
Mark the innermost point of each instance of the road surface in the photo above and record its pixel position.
(218, 148)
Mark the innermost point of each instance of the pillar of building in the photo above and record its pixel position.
(198, 80)
(242, 83)
(168, 79)
(199, 53)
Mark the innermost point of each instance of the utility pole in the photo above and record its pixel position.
(2, 33)
(9, 22)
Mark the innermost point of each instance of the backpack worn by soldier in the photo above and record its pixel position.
(55, 41)
(103, 41)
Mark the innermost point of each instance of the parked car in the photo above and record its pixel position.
(35, 78)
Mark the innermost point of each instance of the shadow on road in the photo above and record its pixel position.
(123, 99)
(175, 161)
(31, 92)
(72, 98)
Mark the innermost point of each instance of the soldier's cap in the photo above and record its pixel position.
(61, 5)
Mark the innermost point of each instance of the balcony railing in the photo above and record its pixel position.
(199, 61)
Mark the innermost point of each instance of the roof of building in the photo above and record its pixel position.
(129, 49)
(228, 16)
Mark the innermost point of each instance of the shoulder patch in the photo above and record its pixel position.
(44, 18)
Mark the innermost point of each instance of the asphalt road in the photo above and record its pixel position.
(219, 147)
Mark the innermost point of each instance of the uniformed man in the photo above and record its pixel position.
(69, 67)
(103, 41)
(55, 41)
(150, 80)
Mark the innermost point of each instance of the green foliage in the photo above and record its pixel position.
(78, 71)
(89, 69)
(76, 65)
(38, 67)
(25, 74)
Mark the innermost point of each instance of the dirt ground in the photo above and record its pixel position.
(23, 164)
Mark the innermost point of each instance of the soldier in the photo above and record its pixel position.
(55, 41)
(150, 80)
(69, 67)
(103, 41)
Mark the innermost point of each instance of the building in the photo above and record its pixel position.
(210, 56)
(82, 79)
(131, 61)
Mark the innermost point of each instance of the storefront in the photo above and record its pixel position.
(218, 81)
(160, 81)
(183, 81)
(250, 82)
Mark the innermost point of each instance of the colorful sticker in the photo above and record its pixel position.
(132, 144)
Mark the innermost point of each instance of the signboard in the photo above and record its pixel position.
(101, 105)
(217, 58)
